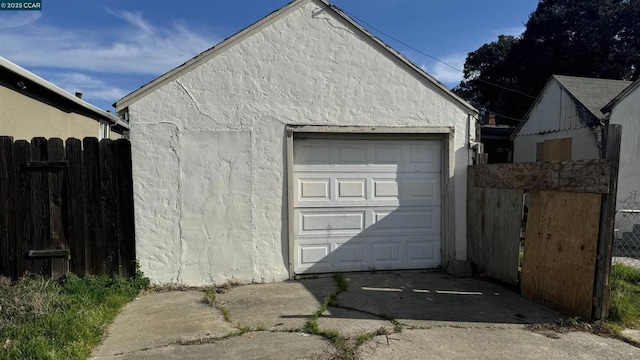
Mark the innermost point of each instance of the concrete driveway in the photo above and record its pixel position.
(397, 315)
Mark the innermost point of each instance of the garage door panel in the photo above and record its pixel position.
(351, 252)
(373, 189)
(421, 251)
(386, 252)
(409, 220)
(331, 221)
(351, 154)
(313, 154)
(384, 189)
(367, 205)
(314, 189)
(422, 189)
(351, 189)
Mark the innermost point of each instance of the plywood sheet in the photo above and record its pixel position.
(560, 250)
(554, 150)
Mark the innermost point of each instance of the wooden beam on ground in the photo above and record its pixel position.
(586, 176)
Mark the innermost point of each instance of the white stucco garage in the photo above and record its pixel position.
(302, 144)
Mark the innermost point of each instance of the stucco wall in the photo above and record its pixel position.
(209, 147)
(627, 114)
(24, 118)
(583, 145)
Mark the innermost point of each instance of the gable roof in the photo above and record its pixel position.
(590, 93)
(11, 74)
(628, 90)
(267, 20)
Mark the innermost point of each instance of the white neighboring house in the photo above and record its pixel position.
(301, 144)
(567, 108)
(624, 109)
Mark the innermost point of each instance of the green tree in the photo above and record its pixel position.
(592, 38)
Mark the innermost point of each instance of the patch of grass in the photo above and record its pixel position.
(44, 319)
(624, 309)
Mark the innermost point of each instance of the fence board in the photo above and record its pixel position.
(494, 220)
(23, 219)
(75, 207)
(55, 152)
(502, 221)
(7, 230)
(124, 189)
(95, 238)
(108, 207)
(66, 200)
(591, 176)
(560, 250)
(40, 206)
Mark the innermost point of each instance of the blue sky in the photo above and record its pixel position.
(107, 48)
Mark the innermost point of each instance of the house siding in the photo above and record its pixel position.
(209, 146)
(24, 118)
(583, 145)
(627, 114)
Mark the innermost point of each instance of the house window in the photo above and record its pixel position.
(105, 130)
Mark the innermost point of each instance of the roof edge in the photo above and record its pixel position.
(103, 114)
(623, 94)
(401, 57)
(204, 56)
(516, 132)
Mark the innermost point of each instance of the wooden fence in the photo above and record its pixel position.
(569, 230)
(66, 205)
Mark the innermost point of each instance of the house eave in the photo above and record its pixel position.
(98, 114)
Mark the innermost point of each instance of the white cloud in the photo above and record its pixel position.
(91, 87)
(139, 47)
(449, 75)
(14, 19)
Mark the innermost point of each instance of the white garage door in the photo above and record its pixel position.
(366, 204)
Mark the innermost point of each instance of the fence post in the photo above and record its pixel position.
(601, 288)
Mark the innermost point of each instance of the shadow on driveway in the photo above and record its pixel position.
(423, 299)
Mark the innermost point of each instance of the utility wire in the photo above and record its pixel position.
(436, 59)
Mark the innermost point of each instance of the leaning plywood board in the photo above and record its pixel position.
(560, 250)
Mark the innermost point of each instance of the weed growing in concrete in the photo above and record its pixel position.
(341, 281)
(211, 299)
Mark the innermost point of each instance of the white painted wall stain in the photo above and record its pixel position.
(209, 147)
